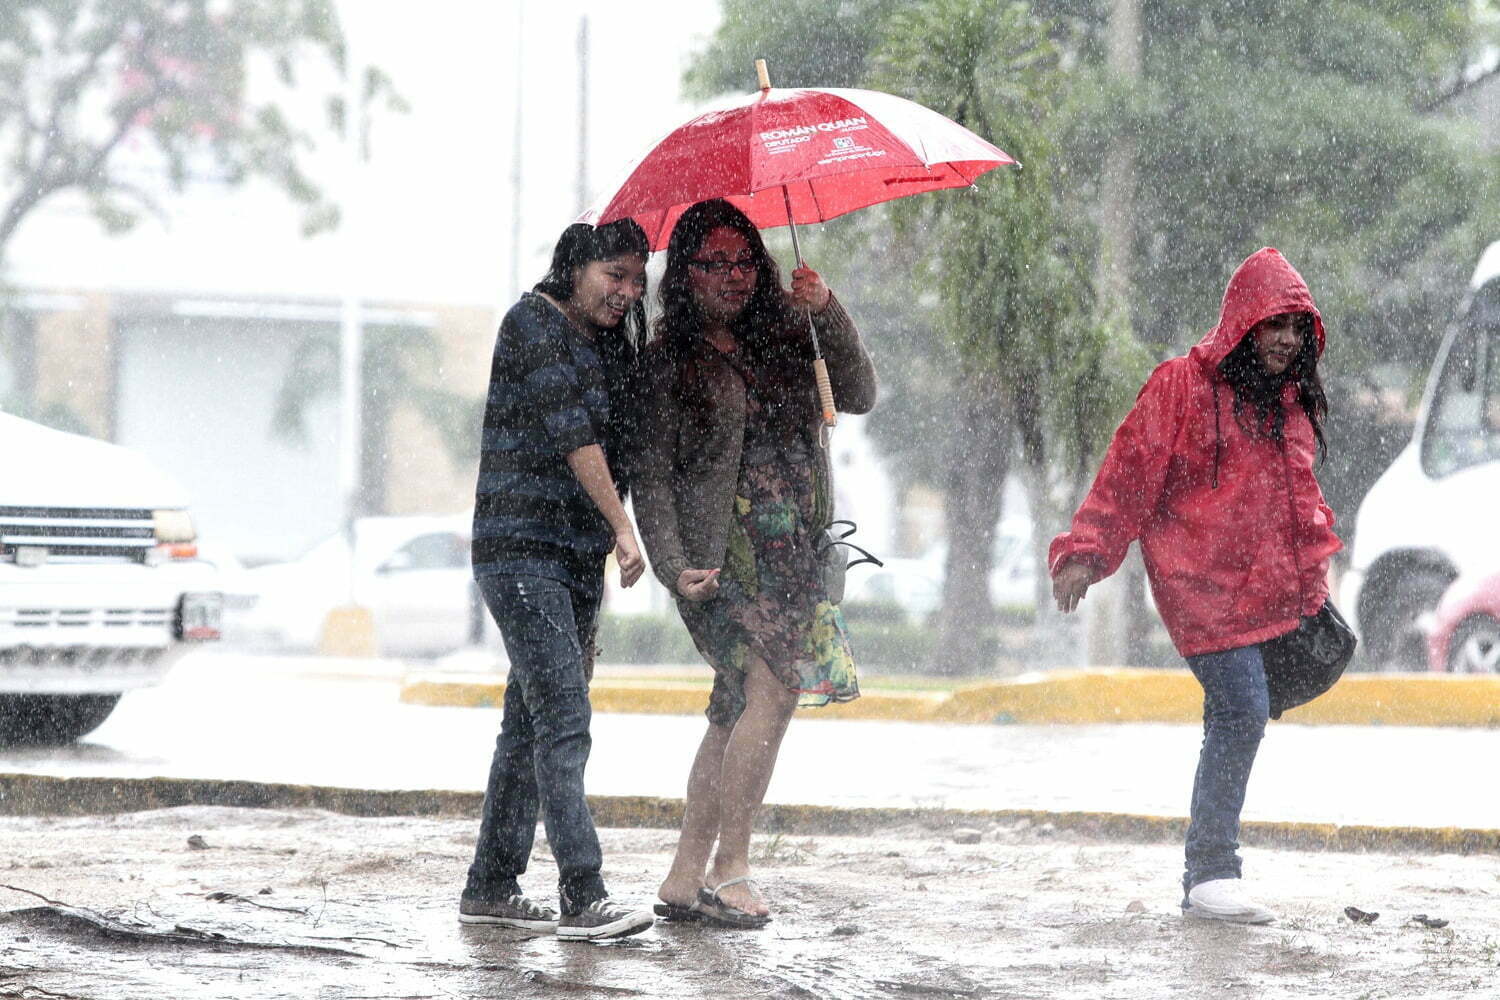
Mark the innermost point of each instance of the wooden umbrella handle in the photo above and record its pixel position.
(825, 391)
(762, 75)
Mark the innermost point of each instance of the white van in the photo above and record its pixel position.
(101, 586)
(1432, 515)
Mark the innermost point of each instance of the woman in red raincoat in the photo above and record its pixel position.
(1212, 470)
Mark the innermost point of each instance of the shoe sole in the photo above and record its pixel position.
(546, 926)
(625, 927)
(672, 913)
(1233, 917)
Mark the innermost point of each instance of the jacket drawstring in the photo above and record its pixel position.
(1218, 438)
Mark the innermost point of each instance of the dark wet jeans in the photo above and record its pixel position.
(548, 628)
(1235, 708)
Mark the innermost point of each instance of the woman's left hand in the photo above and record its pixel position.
(809, 291)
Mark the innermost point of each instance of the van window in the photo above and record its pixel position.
(1463, 428)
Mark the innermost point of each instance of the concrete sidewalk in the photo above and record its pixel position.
(219, 903)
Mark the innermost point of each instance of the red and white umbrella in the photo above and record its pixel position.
(798, 156)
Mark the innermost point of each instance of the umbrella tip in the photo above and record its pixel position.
(762, 74)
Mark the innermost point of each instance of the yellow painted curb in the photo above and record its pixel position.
(1135, 695)
(45, 795)
(645, 697)
(1052, 698)
(1407, 700)
(1081, 696)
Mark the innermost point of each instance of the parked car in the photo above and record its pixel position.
(101, 585)
(1463, 634)
(1430, 517)
(412, 574)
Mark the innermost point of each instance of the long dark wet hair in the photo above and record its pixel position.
(1257, 393)
(760, 327)
(581, 244)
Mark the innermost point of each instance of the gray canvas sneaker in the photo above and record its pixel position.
(601, 920)
(516, 911)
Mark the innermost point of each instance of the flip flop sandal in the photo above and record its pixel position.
(673, 913)
(714, 910)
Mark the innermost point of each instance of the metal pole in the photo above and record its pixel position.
(797, 253)
(351, 324)
(583, 113)
(820, 367)
(515, 168)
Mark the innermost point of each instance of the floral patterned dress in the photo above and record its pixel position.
(771, 600)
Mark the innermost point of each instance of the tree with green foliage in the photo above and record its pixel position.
(94, 92)
(1304, 124)
(1038, 376)
(122, 102)
(1307, 125)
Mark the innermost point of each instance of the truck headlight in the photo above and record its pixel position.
(175, 536)
(173, 526)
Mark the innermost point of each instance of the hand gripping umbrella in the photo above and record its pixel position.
(812, 155)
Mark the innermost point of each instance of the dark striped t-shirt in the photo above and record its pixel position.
(549, 395)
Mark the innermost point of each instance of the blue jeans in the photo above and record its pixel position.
(1235, 709)
(548, 626)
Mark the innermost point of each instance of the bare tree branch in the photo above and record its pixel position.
(1460, 87)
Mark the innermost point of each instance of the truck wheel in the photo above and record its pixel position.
(51, 719)
(1394, 636)
(1475, 647)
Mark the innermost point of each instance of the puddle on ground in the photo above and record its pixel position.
(1024, 912)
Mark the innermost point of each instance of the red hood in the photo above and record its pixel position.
(1264, 285)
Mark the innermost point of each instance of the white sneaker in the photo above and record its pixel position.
(1222, 899)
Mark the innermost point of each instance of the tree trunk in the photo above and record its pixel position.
(978, 464)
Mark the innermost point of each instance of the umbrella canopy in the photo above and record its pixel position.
(814, 153)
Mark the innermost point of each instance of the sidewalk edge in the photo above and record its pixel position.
(45, 795)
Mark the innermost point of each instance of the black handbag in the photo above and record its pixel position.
(835, 562)
(1308, 660)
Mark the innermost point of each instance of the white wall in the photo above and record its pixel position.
(197, 396)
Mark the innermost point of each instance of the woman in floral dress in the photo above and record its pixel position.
(733, 497)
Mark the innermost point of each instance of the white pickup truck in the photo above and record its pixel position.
(101, 587)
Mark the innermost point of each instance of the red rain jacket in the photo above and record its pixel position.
(1234, 530)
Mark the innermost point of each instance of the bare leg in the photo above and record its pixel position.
(749, 759)
(700, 820)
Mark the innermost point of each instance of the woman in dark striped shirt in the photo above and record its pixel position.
(548, 510)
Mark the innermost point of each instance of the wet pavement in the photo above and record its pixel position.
(299, 903)
(321, 722)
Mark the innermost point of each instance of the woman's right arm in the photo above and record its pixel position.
(655, 506)
(550, 386)
(1125, 491)
(591, 468)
